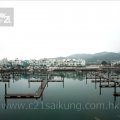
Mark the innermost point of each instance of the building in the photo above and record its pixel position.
(115, 62)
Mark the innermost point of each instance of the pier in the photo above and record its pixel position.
(82, 69)
(40, 90)
(37, 94)
(101, 76)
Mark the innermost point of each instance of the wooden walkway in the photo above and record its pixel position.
(37, 94)
(109, 86)
(40, 90)
(93, 81)
(117, 81)
(47, 80)
(4, 80)
(20, 96)
(55, 80)
(116, 94)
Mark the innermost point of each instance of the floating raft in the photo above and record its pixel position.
(117, 81)
(92, 77)
(116, 94)
(37, 94)
(35, 80)
(20, 96)
(102, 81)
(4, 80)
(40, 90)
(55, 80)
(47, 80)
(115, 77)
(109, 86)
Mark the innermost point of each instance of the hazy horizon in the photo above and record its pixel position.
(61, 56)
(54, 29)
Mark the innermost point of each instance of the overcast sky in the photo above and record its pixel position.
(51, 29)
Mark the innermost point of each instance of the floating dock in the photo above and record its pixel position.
(93, 81)
(37, 94)
(47, 81)
(4, 80)
(116, 94)
(109, 86)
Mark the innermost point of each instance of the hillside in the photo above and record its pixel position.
(97, 57)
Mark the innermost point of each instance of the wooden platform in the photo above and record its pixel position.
(116, 94)
(115, 77)
(37, 94)
(20, 96)
(40, 90)
(109, 86)
(4, 80)
(92, 77)
(117, 81)
(47, 80)
(35, 80)
(55, 80)
(102, 81)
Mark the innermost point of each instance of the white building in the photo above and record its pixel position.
(4, 61)
(115, 62)
(45, 62)
(73, 62)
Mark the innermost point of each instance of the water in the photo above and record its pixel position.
(75, 98)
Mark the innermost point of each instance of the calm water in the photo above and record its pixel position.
(75, 98)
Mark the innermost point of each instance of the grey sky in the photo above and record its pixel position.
(51, 29)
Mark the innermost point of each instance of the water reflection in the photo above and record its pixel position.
(39, 81)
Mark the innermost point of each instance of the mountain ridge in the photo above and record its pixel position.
(97, 57)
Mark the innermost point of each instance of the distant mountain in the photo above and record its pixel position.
(97, 57)
(80, 56)
(60, 58)
(107, 56)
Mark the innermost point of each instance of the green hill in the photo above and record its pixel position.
(97, 57)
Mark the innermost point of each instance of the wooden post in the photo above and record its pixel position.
(42, 97)
(114, 100)
(47, 80)
(41, 84)
(47, 83)
(28, 83)
(5, 103)
(114, 87)
(108, 73)
(100, 81)
(82, 73)
(114, 93)
(47, 76)
(95, 82)
(63, 81)
(86, 75)
(9, 84)
(100, 85)
(108, 76)
(86, 81)
(5, 89)
(100, 90)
